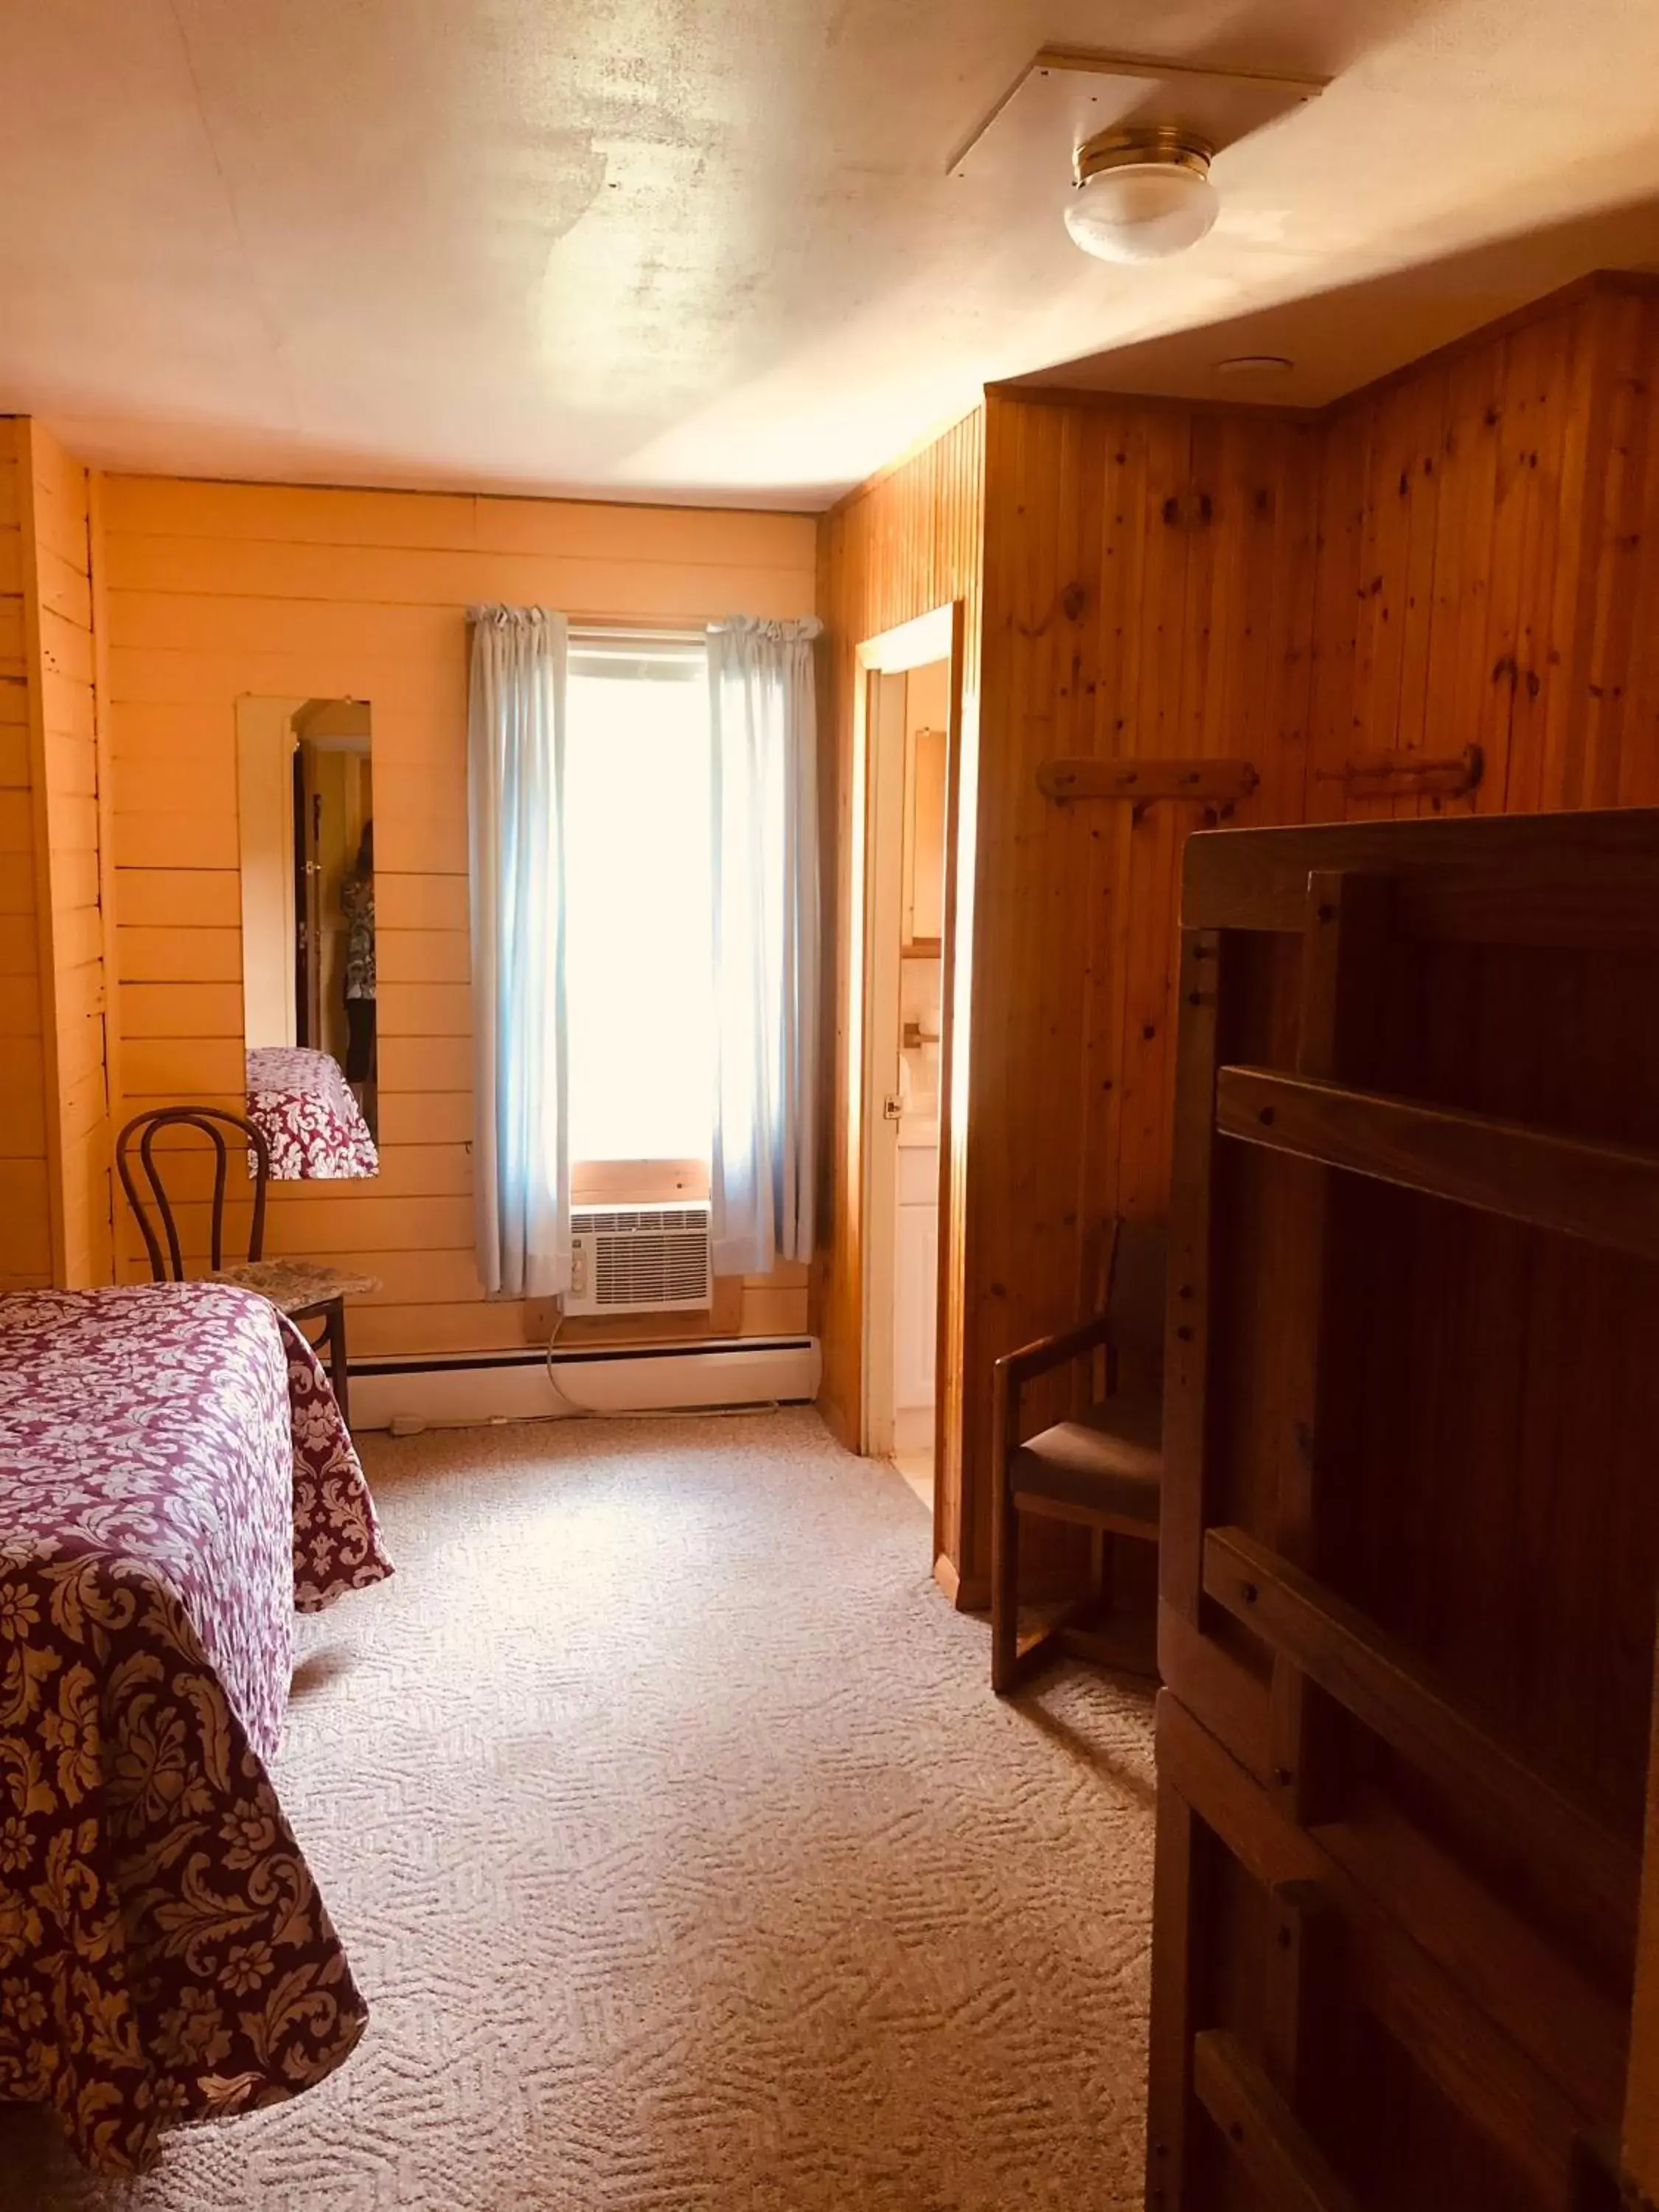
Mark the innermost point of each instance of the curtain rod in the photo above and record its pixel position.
(626, 626)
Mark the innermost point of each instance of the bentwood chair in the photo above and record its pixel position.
(305, 1290)
(1102, 1470)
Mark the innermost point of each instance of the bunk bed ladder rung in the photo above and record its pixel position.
(1608, 1194)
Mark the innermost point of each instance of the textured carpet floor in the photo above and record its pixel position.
(686, 1861)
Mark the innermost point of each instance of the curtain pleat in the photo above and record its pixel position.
(762, 708)
(515, 794)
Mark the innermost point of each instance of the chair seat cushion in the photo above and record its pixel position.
(1110, 1461)
(296, 1285)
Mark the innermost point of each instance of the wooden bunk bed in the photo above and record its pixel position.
(1410, 1528)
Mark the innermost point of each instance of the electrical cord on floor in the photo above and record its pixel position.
(683, 1412)
(568, 1409)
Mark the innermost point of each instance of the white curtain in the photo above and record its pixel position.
(765, 729)
(515, 794)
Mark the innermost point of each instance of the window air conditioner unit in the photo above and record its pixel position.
(639, 1259)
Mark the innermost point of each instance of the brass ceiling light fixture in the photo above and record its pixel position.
(1141, 194)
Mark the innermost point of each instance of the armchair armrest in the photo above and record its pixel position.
(1051, 1352)
(1016, 1369)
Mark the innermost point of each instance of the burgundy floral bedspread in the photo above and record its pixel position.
(302, 1103)
(174, 1480)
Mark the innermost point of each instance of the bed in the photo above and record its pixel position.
(175, 1480)
(301, 1103)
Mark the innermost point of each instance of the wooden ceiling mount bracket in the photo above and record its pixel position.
(1222, 781)
(1409, 776)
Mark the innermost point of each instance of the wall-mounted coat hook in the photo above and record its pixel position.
(1407, 775)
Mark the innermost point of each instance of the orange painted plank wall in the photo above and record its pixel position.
(54, 1113)
(25, 1233)
(57, 544)
(216, 591)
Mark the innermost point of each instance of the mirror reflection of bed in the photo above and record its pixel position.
(306, 802)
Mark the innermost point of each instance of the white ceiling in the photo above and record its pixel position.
(675, 248)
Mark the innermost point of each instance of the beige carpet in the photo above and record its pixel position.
(687, 1861)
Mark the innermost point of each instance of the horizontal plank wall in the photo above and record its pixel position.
(58, 548)
(54, 1116)
(1148, 595)
(906, 543)
(219, 590)
(25, 1211)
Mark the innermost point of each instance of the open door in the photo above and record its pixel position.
(907, 715)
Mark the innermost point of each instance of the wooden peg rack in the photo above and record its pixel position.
(1409, 776)
(1141, 780)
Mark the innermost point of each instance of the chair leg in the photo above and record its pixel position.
(337, 1371)
(1005, 1587)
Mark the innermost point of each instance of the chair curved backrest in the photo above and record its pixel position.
(144, 1128)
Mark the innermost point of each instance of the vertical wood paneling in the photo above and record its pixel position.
(1485, 551)
(1460, 554)
(1149, 577)
(218, 590)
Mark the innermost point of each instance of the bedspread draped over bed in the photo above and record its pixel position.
(174, 1481)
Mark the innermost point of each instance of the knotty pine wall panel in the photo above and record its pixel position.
(219, 590)
(1485, 554)
(904, 544)
(1149, 592)
(1459, 555)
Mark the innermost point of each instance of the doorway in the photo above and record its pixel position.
(908, 704)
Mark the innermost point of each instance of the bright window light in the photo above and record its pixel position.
(638, 960)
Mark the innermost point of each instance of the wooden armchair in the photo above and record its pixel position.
(1102, 1470)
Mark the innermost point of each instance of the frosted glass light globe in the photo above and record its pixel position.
(1141, 208)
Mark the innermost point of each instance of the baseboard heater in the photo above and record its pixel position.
(471, 1388)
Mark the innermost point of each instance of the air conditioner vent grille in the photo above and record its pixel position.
(629, 1221)
(650, 1271)
(645, 1259)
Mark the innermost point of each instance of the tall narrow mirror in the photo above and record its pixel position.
(306, 801)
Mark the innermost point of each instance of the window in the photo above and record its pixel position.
(638, 959)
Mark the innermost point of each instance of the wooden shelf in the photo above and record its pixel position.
(1140, 780)
(1606, 1194)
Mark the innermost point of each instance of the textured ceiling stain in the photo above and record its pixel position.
(681, 248)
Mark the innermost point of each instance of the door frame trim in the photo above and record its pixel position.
(938, 634)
